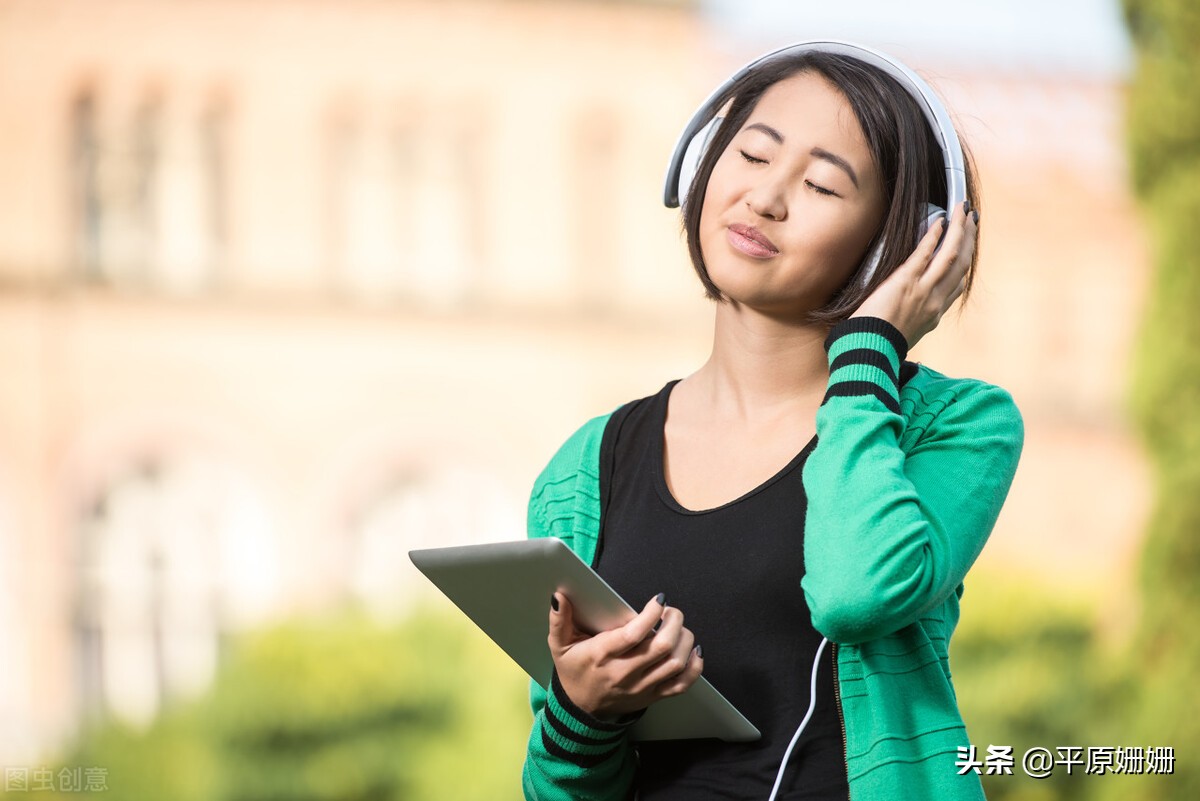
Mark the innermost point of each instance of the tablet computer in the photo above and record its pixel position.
(505, 588)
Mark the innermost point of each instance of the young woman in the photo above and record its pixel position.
(807, 502)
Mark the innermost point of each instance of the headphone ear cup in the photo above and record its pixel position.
(933, 213)
(871, 263)
(692, 157)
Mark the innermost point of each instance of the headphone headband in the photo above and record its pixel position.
(927, 100)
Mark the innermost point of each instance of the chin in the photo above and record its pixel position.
(784, 283)
(748, 289)
(770, 303)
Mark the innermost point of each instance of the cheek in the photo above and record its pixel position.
(725, 182)
(710, 215)
(839, 244)
(857, 230)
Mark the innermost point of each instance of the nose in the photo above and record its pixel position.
(769, 198)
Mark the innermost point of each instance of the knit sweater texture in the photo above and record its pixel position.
(904, 487)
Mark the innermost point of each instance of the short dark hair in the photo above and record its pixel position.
(903, 146)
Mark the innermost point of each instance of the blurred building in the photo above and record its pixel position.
(289, 288)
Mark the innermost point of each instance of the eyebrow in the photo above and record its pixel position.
(816, 152)
(767, 129)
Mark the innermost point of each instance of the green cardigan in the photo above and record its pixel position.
(903, 488)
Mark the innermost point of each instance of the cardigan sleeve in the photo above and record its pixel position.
(890, 531)
(571, 754)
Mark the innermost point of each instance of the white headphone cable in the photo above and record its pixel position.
(812, 703)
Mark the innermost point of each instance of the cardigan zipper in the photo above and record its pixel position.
(837, 700)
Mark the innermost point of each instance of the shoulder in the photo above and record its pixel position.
(581, 450)
(929, 392)
(567, 485)
(930, 400)
(566, 497)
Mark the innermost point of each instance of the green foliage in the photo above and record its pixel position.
(313, 711)
(1164, 103)
(1164, 133)
(1166, 387)
(170, 760)
(334, 709)
(1030, 672)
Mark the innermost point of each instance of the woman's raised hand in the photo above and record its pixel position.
(625, 669)
(922, 289)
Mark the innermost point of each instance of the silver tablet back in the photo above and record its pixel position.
(505, 588)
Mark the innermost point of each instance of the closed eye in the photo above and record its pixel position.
(820, 189)
(752, 159)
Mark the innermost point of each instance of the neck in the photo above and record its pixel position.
(761, 364)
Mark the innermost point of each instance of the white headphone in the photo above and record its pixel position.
(698, 134)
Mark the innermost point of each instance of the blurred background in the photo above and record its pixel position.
(290, 287)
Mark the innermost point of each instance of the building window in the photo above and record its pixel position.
(370, 227)
(85, 172)
(16, 690)
(113, 167)
(451, 255)
(405, 203)
(149, 189)
(595, 205)
(413, 509)
(172, 554)
(214, 171)
(189, 198)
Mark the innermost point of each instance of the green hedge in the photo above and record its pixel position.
(333, 709)
(1164, 136)
(1031, 671)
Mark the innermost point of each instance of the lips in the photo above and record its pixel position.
(751, 241)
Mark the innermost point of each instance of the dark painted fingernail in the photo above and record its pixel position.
(554, 602)
(966, 206)
(699, 652)
(975, 217)
(661, 598)
(656, 625)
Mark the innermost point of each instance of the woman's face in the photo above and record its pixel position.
(793, 201)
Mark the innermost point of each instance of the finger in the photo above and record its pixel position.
(959, 277)
(674, 660)
(686, 678)
(951, 249)
(954, 281)
(667, 630)
(622, 639)
(661, 643)
(955, 293)
(928, 243)
(563, 633)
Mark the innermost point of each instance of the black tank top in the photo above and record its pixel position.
(734, 572)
